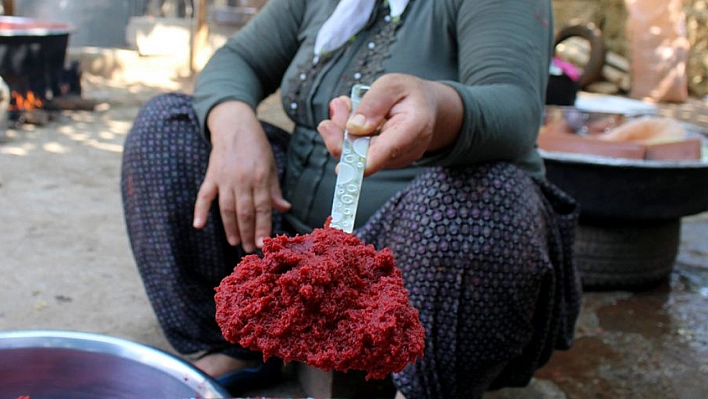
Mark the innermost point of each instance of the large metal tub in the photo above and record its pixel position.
(627, 189)
(631, 210)
(32, 47)
(54, 364)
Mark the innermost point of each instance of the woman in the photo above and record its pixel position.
(455, 186)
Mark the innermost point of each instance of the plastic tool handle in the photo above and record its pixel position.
(351, 173)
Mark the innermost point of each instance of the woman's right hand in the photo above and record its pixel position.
(242, 174)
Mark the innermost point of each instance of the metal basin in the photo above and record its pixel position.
(582, 121)
(48, 364)
(33, 53)
(626, 189)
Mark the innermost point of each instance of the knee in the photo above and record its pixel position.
(161, 115)
(482, 192)
(468, 210)
(164, 108)
(168, 101)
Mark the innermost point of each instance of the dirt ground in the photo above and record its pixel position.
(65, 261)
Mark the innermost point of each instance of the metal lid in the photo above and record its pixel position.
(21, 26)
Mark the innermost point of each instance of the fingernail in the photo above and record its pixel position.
(259, 242)
(357, 121)
(197, 223)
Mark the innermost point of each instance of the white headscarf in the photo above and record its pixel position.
(347, 20)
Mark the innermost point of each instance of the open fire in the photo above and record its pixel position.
(38, 101)
(33, 68)
(27, 106)
(25, 102)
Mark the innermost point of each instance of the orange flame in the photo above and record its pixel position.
(26, 102)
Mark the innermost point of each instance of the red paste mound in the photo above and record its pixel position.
(325, 299)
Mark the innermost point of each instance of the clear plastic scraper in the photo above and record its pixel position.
(351, 173)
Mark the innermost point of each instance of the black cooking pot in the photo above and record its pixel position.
(632, 190)
(32, 50)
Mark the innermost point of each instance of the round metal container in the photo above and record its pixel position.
(617, 189)
(21, 26)
(584, 122)
(32, 51)
(46, 364)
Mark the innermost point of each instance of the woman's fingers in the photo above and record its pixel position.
(279, 203)
(405, 115)
(229, 217)
(245, 208)
(205, 196)
(393, 148)
(246, 217)
(332, 129)
(332, 136)
(263, 214)
(378, 103)
(340, 109)
(399, 111)
(243, 174)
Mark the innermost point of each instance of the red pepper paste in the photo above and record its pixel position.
(325, 299)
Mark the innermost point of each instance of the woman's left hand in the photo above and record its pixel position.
(407, 117)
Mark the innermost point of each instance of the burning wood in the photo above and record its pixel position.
(33, 100)
(37, 117)
(28, 108)
(26, 102)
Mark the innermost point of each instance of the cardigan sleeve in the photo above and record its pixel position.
(251, 64)
(504, 50)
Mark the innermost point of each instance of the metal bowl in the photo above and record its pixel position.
(46, 364)
(582, 122)
(32, 51)
(627, 189)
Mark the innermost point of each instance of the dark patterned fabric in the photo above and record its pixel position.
(164, 162)
(486, 254)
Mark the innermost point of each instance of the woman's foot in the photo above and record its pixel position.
(218, 364)
(237, 375)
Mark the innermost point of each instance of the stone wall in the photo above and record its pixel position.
(611, 16)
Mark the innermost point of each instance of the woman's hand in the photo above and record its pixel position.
(243, 174)
(407, 116)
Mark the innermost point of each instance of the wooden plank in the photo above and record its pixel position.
(8, 7)
(200, 34)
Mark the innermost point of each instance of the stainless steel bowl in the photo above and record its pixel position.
(583, 122)
(56, 364)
